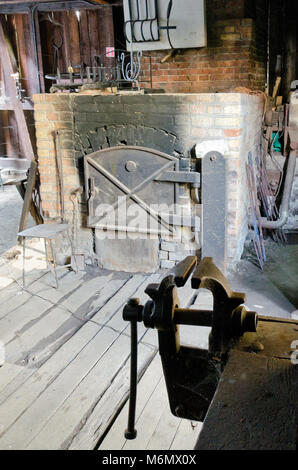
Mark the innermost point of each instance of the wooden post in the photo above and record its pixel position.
(27, 54)
(28, 197)
(9, 68)
(34, 25)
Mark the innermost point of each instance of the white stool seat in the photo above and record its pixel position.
(46, 232)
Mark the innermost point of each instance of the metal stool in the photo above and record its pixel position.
(48, 232)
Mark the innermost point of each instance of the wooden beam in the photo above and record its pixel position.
(22, 7)
(6, 105)
(27, 197)
(27, 54)
(34, 211)
(101, 2)
(17, 2)
(6, 57)
(35, 34)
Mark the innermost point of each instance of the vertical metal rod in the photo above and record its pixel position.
(60, 172)
(46, 252)
(94, 73)
(131, 432)
(54, 262)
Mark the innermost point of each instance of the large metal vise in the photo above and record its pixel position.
(191, 374)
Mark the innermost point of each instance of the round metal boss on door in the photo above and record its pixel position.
(130, 165)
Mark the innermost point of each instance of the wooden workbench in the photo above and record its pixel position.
(256, 403)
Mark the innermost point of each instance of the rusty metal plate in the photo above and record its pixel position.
(128, 173)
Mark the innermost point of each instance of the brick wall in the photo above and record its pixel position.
(54, 113)
(247, 139)
(172, 123)
(235, 55)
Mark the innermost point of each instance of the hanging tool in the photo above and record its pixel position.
(255, 212)
(57, 47)
(60, 171)
(77, 259)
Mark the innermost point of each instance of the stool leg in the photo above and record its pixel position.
(54, 262)
(46, 252)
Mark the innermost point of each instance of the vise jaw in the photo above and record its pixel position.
(191, 374)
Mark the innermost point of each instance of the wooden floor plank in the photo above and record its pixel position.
(13, 385)
(12, 324)
(68, 281)
(103, 414)
(14, 297)
(186, 436)
(50, 385)
(149, 418)
(164, 431)
(40, 341)
(12, 263)
(99, 299)
(117, 322)
(117, 302)
(157, 427)
(36, 416)
(71, 351)
(66, 422)
(86, 291)
(31, 311)
(45, 286)
(115, 439)
(8, 373)
(13, 271)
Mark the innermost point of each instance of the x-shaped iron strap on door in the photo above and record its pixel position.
(129, 193)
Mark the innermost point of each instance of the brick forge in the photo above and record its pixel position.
(171, 123)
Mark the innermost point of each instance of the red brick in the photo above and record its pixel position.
(232, 132)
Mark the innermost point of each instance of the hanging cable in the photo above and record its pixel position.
(169, 10)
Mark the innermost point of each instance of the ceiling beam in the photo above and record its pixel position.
(15, 2)
(8, 60)
(12, 7)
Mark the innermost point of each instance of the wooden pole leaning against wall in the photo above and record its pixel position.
(9, 68)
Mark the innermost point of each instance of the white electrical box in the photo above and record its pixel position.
(164, 24)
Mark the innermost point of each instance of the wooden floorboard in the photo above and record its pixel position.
(95, 389)
(34, 418)
(67, 370)
(36, 329)
(63, 364)
(11, 266)
(8, 372)
(117, 322)
(156, 428)
(33, 308)
(41, 378)
(115, 304)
